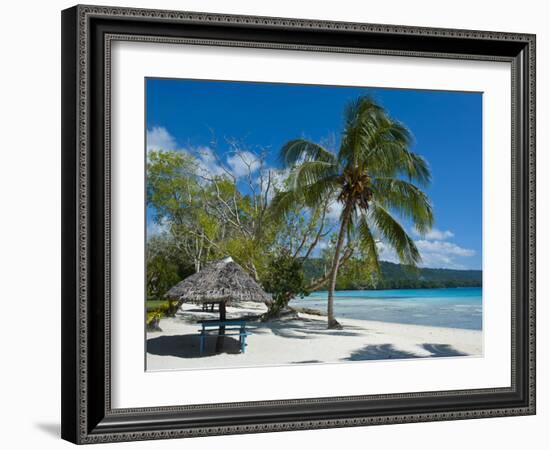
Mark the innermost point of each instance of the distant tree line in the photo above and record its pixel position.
(395, 276)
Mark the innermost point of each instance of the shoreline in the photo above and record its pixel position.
(302, 340)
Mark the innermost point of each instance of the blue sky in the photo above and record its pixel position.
(447, 127)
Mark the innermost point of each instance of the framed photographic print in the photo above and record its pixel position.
(268, 222)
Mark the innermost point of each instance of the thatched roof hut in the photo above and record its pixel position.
(222, 281)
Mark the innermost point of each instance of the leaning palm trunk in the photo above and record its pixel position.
(332, 322)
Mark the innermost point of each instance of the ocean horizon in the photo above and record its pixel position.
(442, 307)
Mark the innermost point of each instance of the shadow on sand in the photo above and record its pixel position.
(310, 361)
(388, 351)
(438, 350)
(304, 329)
(187, 346)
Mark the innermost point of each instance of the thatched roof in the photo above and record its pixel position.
(220, 281)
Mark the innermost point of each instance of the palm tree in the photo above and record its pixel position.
(372, 176)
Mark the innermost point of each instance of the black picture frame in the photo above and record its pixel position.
(87, 416)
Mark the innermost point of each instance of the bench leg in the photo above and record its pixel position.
(242, 339)
(201, 345)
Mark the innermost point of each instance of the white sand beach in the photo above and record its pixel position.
(300, 340)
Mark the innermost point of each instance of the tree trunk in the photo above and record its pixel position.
(332, 322)
(254, 272)
(318, 282)
(277, 306)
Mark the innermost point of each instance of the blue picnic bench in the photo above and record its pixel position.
(231, 327)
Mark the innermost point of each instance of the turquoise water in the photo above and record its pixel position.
(454, 308)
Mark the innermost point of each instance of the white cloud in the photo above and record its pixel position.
(239, 164)
(209, 164)
(334, 211)
(440, 254)
(243, 163)
(435, 254)
(277, 179)
(435, 235)
(447, 248)
(156, 229)
(386, 253)
(323, 244)
(158, 138)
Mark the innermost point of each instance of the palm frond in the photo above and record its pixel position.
(352, 221)
(299, 150)
(414, 167)
(373, 140)
(368, 243)
(386, 133)
(386, 152)
(310, 172)
(317, 193)
(405, 198)
(284, 202)
(395, 235)
(419, 169)
(361, 120)
(311, 195)
(360, 110)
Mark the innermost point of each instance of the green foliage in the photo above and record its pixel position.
(157, 306)
(284, 279)
(172, 187)
(166, 266)
(157, 309)
(153, 315)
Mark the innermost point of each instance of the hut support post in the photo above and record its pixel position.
(221, 330)
(222, 310)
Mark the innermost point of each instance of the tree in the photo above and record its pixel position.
(245, 234)
(178, 200)
(284, 279)
(165, 265)
(372, 175)
(201, 207)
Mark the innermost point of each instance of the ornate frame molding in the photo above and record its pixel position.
(87, 423)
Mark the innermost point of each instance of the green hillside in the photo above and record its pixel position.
(398, 276)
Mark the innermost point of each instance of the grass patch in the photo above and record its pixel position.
(155, 305)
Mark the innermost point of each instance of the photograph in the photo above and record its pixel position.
(278, 222)
(291, 224)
